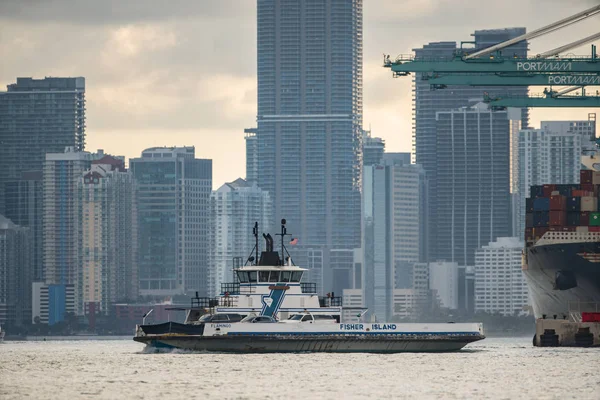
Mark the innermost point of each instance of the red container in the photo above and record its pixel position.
(586, 176)
(587, 186)
(558, 203)
(539, 232)
(584, 219)
(593, 228)
(548, 189)
(558, 218)
(582, 193)
(590, 317)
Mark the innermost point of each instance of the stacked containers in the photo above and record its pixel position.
(563, 207)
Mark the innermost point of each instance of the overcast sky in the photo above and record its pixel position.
(183, 72)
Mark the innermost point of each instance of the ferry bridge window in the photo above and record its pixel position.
(274, 277)
(252, 276)
(307, 318)
(243, 276)
(264, 276)
(296, 276)
(286, 276)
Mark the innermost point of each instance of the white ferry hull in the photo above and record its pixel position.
(349, 344)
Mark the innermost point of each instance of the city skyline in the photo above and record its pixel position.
(155, 77)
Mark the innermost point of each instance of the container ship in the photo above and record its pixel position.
(562, 261)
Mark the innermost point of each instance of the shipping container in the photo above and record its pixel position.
(539, 232)
(548, 189)
(586, 176)
(574, 204)
(582, 229)
(588, 187)
(568, 228)
(589, 203)
(541, 219)
(573, 219)
(596, 177)
(584, 218)
(594, 228)
(557, 218)
(541, 204)
(566, 190)
(529, 220)
(594, 219)
(529, 205)
(536, 191)
(558, 203)
(582, 193)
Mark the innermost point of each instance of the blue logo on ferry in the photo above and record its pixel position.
(272, 302)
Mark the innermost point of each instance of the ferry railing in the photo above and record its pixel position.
(232, 288)
(204, 302)
(308, 287)
(330, 301)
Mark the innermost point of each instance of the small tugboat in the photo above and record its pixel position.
(270, 309)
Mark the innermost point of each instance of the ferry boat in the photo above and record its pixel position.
(270, 309)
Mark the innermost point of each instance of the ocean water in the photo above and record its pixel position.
(119, 369)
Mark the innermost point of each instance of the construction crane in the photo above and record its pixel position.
(489, 67)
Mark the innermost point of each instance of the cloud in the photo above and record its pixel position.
(184, 71)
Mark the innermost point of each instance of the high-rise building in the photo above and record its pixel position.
(52, 303)
(393, 211)
(234, 208)
(107, 253)
(428, 102)
(16, 274)
(38, 116)
(473, 181)
(23, 206)
(310, 125)
(251, 155)
(550, 155)
(60, 216)
(373, 149)
(443, 282)
(173, 220)
(500, 285)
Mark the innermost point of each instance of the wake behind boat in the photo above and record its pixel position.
(270, 309)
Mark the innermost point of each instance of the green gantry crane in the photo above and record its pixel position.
(489, 67)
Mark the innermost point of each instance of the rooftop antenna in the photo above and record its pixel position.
(254, 259)
(283, 234)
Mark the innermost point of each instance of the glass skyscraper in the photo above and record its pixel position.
(428, 102)
(310, 125)
(38, 116)
(173, 219)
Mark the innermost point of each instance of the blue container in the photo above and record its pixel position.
(529, 220)
(565, 190)
(573, 204)
(541, 219)
(541, 204)
(536, 191)
(573, 219)
(529, 205)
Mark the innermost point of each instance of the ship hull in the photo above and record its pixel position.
(577, 264)
(310, 343)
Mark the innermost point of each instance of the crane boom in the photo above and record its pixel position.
(538, 32)
(515, 80)
(569, 46)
